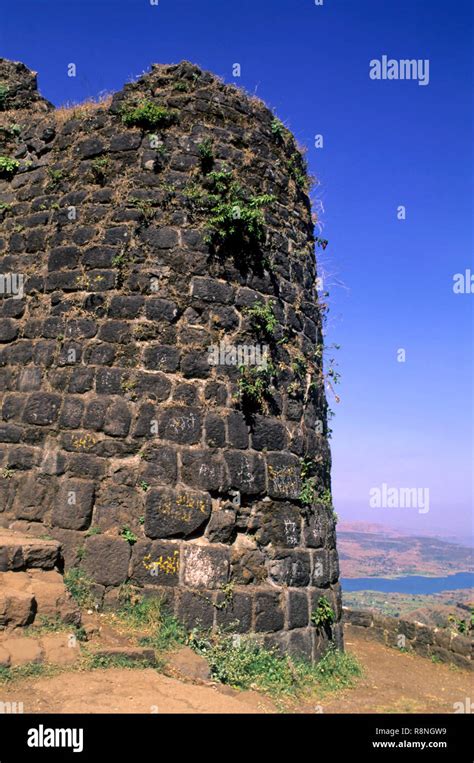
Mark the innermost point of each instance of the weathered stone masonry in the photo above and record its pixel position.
(441, 644)
(113, 423)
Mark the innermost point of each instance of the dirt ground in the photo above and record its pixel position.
(397, 682)
(393, 682)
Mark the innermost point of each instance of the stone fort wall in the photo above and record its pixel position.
(438, 644)
(170, 219)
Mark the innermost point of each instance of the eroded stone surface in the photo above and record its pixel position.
(23, 650)
(29, 596)
(121, 437)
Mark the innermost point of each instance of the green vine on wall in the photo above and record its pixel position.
(235, 220)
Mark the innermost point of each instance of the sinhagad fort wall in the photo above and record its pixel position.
(438, 644)
(163, 413)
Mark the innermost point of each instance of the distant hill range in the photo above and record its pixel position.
(371, 550)
(450, 609)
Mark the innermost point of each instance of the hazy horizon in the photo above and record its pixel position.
(442, 533)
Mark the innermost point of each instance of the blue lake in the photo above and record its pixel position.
(411, 584)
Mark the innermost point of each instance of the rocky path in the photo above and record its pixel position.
(393, 682)
(398, 682)
(127, 691)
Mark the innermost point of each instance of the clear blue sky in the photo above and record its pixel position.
(386, 143)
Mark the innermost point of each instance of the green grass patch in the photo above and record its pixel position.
(55, 178)
(8, 166)
(206, 155)
(4, 90)
(45, 624)
(181, 87)
(148, 115)
(169, 635)
(296, 166)
(99, 169)
(104, 662)
(336, 670)
(29, 670)
(262, 318)
(128, 535)
(93, 530)
(149, 616)
(144, 206)
(248, 665)
(80, 586)
(278, 129)
(11, 131)
(254, 385)
(234, 218)
(323, 614)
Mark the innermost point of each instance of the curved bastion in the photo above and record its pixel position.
(163, 409)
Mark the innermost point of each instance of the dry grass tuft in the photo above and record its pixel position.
(82, 110)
